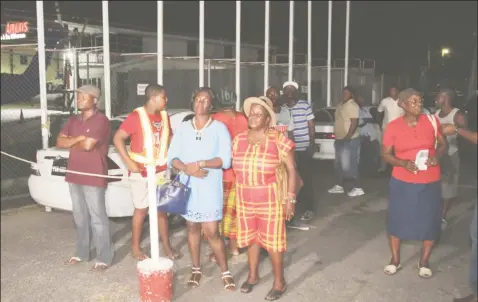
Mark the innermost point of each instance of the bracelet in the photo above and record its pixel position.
(290, 194)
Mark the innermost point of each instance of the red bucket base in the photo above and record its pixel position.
(155, 280)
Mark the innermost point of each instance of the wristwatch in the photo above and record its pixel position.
(291, 199)
(202, 164)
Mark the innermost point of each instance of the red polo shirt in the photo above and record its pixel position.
(98, 128)
(132, 126)
(407, 141)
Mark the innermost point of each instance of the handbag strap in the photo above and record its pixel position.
(433, 121)
(187, 181)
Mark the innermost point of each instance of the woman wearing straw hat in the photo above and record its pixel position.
(262, 207)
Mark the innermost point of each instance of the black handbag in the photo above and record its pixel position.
(173, 197)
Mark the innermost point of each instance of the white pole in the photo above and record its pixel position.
(291, 39)
(266, 47)
(209, 73)
(347, 38)
(201, 43)
(151, 169)
(160, 42)
(238, 55)
(329, 55)
(106, 58)
(309, 51)
(74, 76)
(42, 73)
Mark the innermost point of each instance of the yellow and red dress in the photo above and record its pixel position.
(260, 210)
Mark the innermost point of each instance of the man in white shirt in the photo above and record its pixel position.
(390, 109)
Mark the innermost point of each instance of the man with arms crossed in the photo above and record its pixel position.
(150, 132)
(390, 109)
(449, 129)
(87, 136)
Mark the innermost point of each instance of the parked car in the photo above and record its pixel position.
(47, 183)
(324, 132)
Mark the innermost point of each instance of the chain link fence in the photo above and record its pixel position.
(130, 73)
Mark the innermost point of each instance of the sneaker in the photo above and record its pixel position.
(444, 224)
(355, 192)
(336, 190)
(308, 215)
(298, 226)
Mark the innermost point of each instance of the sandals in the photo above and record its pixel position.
(275, 294)
(196, 275)
(247, 287)
(139, 257)
(73, 260)
(424, 272)
(228, 281)
(392, 269)
(99, 267)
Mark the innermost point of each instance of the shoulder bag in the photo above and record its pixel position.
(173, 196)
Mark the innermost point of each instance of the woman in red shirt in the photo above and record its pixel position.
(415, 191)
(236, 123)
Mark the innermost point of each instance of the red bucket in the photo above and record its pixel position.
(155, 280)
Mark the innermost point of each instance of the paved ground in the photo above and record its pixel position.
(341, 259)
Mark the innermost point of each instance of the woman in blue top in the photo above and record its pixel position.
(200, 149)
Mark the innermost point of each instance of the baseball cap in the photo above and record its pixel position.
(290, 83)
(91, 90)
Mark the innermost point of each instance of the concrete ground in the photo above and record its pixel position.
(340, 259)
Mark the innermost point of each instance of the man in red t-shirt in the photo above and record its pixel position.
(156, 100)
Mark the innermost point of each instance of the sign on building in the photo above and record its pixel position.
(15, 31)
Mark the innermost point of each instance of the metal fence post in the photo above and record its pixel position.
(106, 58)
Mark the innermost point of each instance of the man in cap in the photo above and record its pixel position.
(303, 136)
(87, 136)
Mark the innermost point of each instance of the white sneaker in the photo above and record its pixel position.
(336, 190)
(356, 192)
(444, 224)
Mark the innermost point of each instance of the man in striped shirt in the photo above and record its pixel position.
(303, 135)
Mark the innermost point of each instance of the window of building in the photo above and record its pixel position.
(192, 49)
(23, 60)
(228, 52)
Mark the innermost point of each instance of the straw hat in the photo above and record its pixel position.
(262, 101)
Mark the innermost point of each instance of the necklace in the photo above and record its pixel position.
(200, 131)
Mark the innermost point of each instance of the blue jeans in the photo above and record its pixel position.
(89, 211)
(347, 161)
(473, 265)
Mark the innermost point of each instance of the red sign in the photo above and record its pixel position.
(16, 28)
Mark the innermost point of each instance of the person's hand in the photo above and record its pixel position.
(133, 166)
(289, 210)
(410, 166)
(448, 129)
(311, 149)
(192, 168)
(201, 173)
(432, 161)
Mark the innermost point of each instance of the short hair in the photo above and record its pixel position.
(352, 90)
(152, 90)
(211, 93)
(274, 87)
(394, 87)
(449, 92)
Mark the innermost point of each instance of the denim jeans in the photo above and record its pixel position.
(89, 211)
(474, 265)
(347, 161)
(306, 172)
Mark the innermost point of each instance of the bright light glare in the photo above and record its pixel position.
(445, 51)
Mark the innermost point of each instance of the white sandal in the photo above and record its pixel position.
(392, 269)
(228, 281)
(424, 272)
(73, 260)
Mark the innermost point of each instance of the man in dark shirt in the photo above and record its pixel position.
(87, 137)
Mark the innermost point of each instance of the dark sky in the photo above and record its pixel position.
(394, 33)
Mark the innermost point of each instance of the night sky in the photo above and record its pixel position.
(394, 33)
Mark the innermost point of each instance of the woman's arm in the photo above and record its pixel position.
(291, 173)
